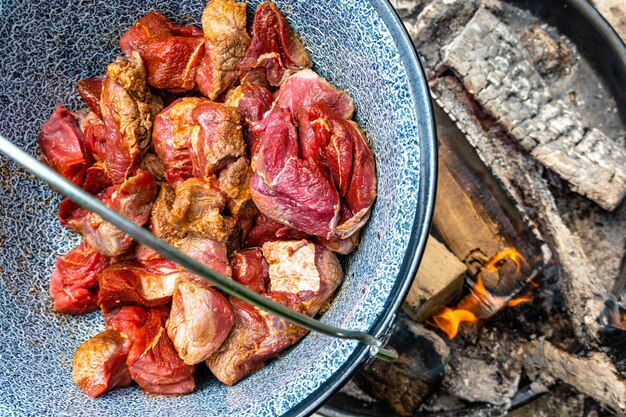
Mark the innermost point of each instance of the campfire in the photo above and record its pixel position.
(520, 300)
(480, 304)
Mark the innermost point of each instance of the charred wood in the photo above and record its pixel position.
(405, 384)
(593, 375)
(499, 72)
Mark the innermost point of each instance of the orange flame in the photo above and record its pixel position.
(510, 253)
(480, 301)
(517, 301)
(449, 320)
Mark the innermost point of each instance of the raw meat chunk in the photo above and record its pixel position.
(99, 364)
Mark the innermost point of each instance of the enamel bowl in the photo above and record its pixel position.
(359, 46)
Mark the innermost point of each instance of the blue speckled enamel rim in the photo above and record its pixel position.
(418, 88)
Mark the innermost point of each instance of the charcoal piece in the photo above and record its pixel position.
(499, 72)
(436, 24)
(477, 380)
(405, 384)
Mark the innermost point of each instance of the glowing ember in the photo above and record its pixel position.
(449, 320)
(480, 303)
(510, 253)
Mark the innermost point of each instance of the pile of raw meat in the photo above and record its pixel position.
(230, 148)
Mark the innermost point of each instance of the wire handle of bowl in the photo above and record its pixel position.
(143, 236)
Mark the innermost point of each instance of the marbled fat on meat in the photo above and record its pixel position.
(305, 269)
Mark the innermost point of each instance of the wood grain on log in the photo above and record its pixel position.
(583, 291)
(438, 281)
(594, 375)
(469, 216)
(462, 222)
(499, 72)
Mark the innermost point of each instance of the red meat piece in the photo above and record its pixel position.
(293, 176)
(340, 145)
(305, 269)
(305, 89)
(196, 137)
(251, 269)
(288, 189)
(256, 337)
(133, 199)
(199, 322)
(90, 90)
(99, 364)
(220, 139)
(149, 283)
(94, 135)
(61, 144)
(154, 364)
(226, 41)
(274, 46)
(128, 110)
(254, 99)
(74, 282)
(129, 320)
(171, 53)
(266, 230)
(172, 129)
(206, 251)
(152, 360)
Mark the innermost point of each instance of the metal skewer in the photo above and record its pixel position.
(87, 201)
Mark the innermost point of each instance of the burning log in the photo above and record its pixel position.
(438, 282)
(481, 303)
(582, 288)
(469, 216)
(498, 71)
(593, 375)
